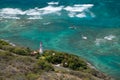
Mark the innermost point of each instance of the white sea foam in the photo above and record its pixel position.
(84, 5)
(53, 3)
(110, 37)
(43, 11)
(81, 15)
(105, 39)
(47, 23)
(73, 11)
(10, 17)
(32, 12)
(84, 37)
(71, 14)
(79, 10)
(11, 11)
(12, 44)
(35, 17)
(51, 9)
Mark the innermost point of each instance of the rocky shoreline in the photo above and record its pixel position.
(35, 66)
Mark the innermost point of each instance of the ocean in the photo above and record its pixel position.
(87, 28)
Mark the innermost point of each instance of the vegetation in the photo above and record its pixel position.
(16, 63)
(4, 42)
(66, 60)
(43, 65)
(14, 49)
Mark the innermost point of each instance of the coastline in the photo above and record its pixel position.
(97, 73)
(12, 44)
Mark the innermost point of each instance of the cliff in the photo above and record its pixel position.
(17, 63)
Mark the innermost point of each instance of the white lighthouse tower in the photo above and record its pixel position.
(41, 48)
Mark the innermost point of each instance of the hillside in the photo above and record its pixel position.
(17, 63)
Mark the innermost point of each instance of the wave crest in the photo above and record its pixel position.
(76, 10)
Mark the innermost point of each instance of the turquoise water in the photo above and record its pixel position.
(88, 28)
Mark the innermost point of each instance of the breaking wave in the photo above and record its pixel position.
(53, 3)
(105, 39)
(76, 10)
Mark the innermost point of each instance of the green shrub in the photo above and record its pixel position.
(67, 60)
(74, 63)
(54, 57)
(18, 50)
(21, 51)
(4, 42)
(43, 65)
(7, 48)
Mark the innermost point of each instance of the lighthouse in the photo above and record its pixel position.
(41, 48)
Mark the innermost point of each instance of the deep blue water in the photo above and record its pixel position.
(87, 28)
